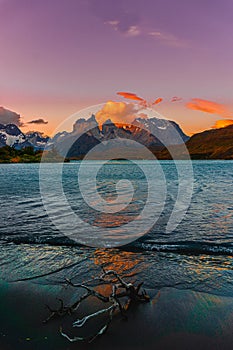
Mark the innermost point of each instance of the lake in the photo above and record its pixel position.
(197, 255)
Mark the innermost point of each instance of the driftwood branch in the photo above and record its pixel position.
(120, 290)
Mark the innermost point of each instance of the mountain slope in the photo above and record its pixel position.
(209, 144)
(167, 131)
(212, 144)
(11, 135)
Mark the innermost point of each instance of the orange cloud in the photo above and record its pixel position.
(118, 112)
(222, 123)
(130, 96)
(207, 106)
(157, 101)
(142, 115)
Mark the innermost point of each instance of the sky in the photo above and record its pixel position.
(59, 56)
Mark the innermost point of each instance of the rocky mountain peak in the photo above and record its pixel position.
(82, 125)
(12, 129)
(11, 135)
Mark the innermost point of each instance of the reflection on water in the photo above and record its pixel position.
(208, 220)
(109, 220)
(206, 273)
(125, 263)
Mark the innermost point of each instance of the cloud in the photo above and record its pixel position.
(38, 121)
(142, 102)
(9, 117)
(222, 123)
(114, 24)
(118, 112)
(168, 39)
(128, 21)
(118, 15)
(157, 101)
(176, 99)
(207, 106)
(132, 30)
(130, 96)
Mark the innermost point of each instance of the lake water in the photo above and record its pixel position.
(197, 255)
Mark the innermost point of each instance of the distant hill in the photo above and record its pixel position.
(209, 144)
(28, 155)
(212, 144)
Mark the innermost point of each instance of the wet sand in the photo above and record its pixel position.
(174, 319)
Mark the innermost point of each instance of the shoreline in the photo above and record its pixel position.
(172, 319)
(159, 159)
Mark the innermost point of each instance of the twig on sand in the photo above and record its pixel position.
(120, 289)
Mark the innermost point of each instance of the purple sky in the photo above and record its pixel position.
(57, 56)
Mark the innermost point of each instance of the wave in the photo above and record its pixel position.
(189, 248)
(182, 247)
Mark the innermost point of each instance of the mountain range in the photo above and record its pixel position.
(86, 134)
(210, 144)
(11, 135)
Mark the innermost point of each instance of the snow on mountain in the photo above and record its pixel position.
(153, 133)
(11, 135)
(167, 131)
(37, 139)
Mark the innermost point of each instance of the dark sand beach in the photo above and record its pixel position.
(173, 319)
